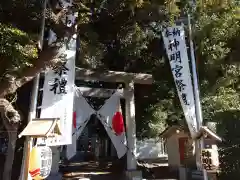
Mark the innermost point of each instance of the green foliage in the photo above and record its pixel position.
(228, 127)
(19, 27)
(217, 36)
(126, 36)
(16, 50)
(217, 32)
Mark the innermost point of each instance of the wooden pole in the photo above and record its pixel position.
(28, 142)
(199, 144)
(130, 125)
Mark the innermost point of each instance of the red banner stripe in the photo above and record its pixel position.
(35, 172)
(118, 123)
(75, 119)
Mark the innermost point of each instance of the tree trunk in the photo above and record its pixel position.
(11, 120)
(12, 138)
(48, 57)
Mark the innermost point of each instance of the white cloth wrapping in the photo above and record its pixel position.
(52, 37)
(72, 148)
(105, 114)
(83, 112)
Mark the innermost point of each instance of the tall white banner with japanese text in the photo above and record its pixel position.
(58, 95)
(175, 45)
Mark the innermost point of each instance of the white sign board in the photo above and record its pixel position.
(58, 95)
(175, 45)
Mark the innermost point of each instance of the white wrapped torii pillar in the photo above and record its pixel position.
(128, 79)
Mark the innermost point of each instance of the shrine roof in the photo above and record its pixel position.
(45, 127)
(169, 131)
(204, 131)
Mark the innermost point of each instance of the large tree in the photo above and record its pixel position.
(126, 36)
(24, 53)
(217, 35)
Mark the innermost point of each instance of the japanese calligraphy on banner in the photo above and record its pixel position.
(58, 95)
(175, 45)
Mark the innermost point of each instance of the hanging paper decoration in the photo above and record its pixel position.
(117, 122)
(111, 117)
(81, 116)
(71, 149)
(70, 19)
(175, 45)
(52, 37)
(64, 4)
(83, 112)
(40, 162)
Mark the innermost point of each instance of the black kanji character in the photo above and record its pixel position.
(184, 98)
(180, 85)
(176, 57)
(173, 44)
(207, 162)
(55, 85)
(62, 87)
(43, 155)
(168, 33)
(176, 32)
(177, 71)
(61, 70)
(59, 85)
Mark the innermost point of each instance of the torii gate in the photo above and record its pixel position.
(128, 93)
(128, 79)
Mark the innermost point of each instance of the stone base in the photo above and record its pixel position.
(134, 175)
(182, 173)
(55, 176)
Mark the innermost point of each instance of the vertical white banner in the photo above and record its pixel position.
(58, 95)
(175, 45)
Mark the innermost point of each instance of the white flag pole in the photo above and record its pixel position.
(199, 143)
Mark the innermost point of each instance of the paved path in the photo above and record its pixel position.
(107, 170)
(93, 171)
